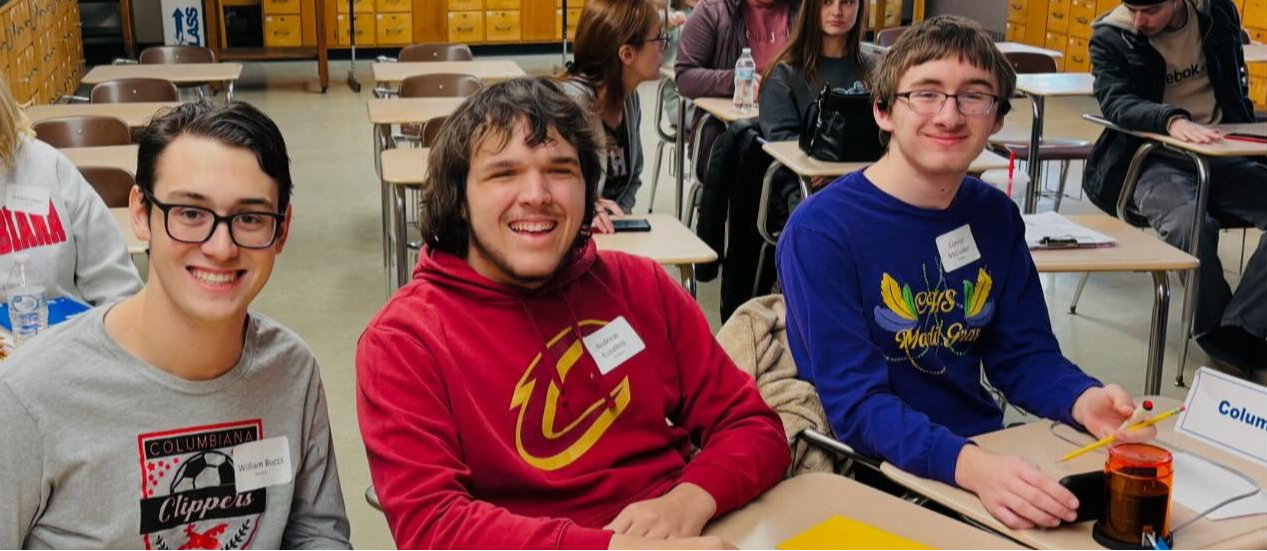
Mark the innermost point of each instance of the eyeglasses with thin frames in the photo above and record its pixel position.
(931, 102)
(663, 39)
(195, 225)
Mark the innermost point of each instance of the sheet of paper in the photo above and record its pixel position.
(1055, 226)
(1200, 485)
(839, 532)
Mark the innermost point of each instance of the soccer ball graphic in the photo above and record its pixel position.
(204, 470)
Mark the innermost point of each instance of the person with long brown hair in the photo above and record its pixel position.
(619, 45)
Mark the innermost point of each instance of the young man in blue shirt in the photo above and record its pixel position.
(905, 279)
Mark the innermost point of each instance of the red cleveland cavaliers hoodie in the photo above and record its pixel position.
(488, 425)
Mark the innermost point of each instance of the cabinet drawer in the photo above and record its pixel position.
(1016, 11)
(395, 28)
(1077, 56)
(286, 7)
(1258, 35)
(465, 5)
(1058, 42)
(1257, 69)
(361, 6)
(1255, 13)
(502, 26)
(364, 30)
(1015, 32)
(1258, 91)
(393, 6)
(1081, 15)
(505, 4)
(574, 16)
(1058, 18)
(571, 4)
(282, 30)
(466, 26)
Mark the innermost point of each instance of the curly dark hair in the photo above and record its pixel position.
(494, 114)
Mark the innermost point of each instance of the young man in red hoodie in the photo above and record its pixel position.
(527, 391)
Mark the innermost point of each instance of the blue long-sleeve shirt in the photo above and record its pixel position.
(894, 344)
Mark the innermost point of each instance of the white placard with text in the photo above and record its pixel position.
(1228, 413)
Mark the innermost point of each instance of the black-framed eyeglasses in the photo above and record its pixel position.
(663, 39)
(930, 102)
(196, 225)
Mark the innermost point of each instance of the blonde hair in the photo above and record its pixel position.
(13, 125)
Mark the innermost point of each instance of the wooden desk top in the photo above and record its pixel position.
(1256, 53)
(118, 156)
(405, 166)
(137, 115)
(1035, 443)
(668, 242)
(411, 110)
(123, 218)
(724, 109)
(1134, 251)
(1056, 84)
(1225, 148)
(800, 503)
(789, 154)
(183, 73)
(487, 71)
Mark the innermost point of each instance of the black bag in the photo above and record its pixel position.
(840, 128)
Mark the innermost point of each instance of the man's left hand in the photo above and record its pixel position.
(1103, 409)
(681, 513)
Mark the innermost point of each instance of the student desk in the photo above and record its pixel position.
(669, 242)
(1034, 442)
(1038, 87)
(122, 217)
(1198, 154)
(115, 156)
(722, 109)
(487, 71)
(176, 73)
(1255, 53)
(136, 115)
(1135, 251)
(800, 503)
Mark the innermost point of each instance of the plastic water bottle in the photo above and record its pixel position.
(28, 307)
(745, 81)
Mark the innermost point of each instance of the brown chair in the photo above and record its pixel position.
(435, 52)
(888, 37)
(431, 130)
(113, 184)
(134, 90)
(83, 131)
(440, 85)
(158, 55)
(1061, 150)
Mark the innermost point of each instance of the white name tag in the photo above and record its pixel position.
(613, 344)
(957, 249)
(262, 463)
(27, 199)
(1228, 413)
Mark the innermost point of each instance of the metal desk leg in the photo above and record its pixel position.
(1157, 338)
(228, 92)
(679, 158)
(1035, 139)
(381, 135)
(402, 237)
(1194, 280)
(688, 278)
(688, 215)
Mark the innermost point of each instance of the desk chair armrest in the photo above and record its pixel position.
(385, 59)
(124, 61)
(837, 448)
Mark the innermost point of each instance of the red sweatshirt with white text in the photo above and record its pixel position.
(489, 425)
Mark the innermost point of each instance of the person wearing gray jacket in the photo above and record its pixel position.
(73, 246)
(178, 418)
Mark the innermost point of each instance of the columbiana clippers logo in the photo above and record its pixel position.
(188, 494)
(919, 320)
(549, 434)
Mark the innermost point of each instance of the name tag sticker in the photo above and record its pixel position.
(613, 344)
(262, 463)
(957, 248)
(27, 199)
(1228, 413)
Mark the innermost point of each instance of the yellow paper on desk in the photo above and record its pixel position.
(839, 532)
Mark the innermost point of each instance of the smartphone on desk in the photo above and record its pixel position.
(1089, 489)
(621, 225)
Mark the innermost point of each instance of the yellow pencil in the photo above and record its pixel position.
(1110, 438)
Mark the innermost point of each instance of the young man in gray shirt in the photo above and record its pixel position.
(177, 418)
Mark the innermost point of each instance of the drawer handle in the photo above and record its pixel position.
(281, 33)
(1077, 59)
(1057, 15)
(466, 29)
(501, 28)
(1083, 21)
(1017, 7)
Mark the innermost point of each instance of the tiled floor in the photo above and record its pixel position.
(328, 281)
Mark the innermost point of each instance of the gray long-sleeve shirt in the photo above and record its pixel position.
(101, 450)
(76, 249)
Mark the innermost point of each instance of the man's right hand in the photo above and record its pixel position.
(1014, 491)
(1191, 132)
(703, 542)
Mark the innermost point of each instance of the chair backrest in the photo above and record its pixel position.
(431, 130)
(177, 54)
(435, 52)
(1031, 62)
(134, 90)
(889, 36)
(440, 85)
(83, 131)
(113, 184)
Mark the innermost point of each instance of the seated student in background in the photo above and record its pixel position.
(165, 387)
(619, 45)
(488, 420)
(905, 279)
(73, 245)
